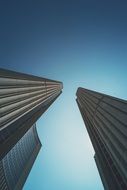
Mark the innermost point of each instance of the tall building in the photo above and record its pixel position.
(16, 165)
(105, 118)
(23, 99)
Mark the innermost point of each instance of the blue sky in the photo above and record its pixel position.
(81, 43)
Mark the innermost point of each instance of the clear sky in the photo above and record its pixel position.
(81, 43)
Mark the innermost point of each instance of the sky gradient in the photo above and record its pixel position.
(81, 43)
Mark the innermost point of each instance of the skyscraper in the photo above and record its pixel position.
(105, 118)
(16, 165)
(23, 99)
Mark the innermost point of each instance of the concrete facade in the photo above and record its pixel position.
(23, 99)
(105, 118)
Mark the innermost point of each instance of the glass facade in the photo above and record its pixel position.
(19, 160)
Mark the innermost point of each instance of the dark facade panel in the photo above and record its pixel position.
(23, 99)
(105, 118)
(16, 165)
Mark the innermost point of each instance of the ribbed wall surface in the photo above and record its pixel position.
(3, 182)
(16, 165)
(23, 98)
(105, 118)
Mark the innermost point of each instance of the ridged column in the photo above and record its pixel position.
(23, 99)
(105, 118)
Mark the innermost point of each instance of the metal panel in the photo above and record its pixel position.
(105, 118)
(20, 95)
